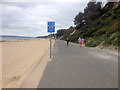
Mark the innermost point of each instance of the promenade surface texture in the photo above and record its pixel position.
(80, 67)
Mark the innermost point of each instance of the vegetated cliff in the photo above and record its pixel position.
(103, 30)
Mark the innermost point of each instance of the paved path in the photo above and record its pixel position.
(79, 67)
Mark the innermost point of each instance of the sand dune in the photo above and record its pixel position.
(23, 61)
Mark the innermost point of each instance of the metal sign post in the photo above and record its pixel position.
(51, 28)
(50, 44)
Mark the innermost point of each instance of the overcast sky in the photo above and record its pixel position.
(30, 18)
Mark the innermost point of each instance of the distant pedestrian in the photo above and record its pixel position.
(83, 42)
(80, 41)
(67, 41)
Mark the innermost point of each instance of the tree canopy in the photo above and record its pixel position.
(91, 12)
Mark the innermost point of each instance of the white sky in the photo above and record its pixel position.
(28, 18)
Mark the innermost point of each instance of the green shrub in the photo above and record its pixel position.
(90, 44)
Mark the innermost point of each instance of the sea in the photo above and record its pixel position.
(14, 38)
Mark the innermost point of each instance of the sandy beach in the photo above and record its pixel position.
(23, 62)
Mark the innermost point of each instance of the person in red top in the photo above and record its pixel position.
(83, 42)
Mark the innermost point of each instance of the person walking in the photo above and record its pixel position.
(83, 42)
(67, 41)
(79, 41)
